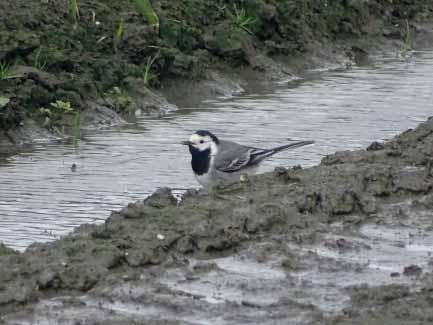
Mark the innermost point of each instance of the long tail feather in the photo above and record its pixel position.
(265, 153)
(292, 146)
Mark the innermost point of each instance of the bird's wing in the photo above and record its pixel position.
(233, 157)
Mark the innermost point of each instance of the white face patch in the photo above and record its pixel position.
(203, 143)
(195, 138)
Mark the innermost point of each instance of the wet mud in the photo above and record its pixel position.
(348, 241)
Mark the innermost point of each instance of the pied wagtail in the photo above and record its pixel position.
(215, 161)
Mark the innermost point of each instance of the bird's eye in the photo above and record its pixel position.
(201, 141)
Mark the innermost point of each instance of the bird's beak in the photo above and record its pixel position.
(186, 143)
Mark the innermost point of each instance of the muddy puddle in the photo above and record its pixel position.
(43, 197)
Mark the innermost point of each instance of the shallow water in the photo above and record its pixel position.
(41, 198)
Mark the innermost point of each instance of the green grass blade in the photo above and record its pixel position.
(145, 8)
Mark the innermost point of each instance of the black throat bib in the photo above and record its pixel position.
(200, 160)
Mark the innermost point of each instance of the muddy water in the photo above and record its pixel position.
(42, 197)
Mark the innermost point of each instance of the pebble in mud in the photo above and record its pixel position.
(412, 270)
(291, 263)
(280, 171)
(375, 146)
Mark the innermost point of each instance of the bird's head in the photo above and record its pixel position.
(201, 141)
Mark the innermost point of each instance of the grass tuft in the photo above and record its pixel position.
(145, 8)
(6, 71)
(4, 101)
(120, 30)
(75, 11)
(408, 41)
(241, 19)
(148, 75)
(406, 51)
(38, 62)
(61, 106)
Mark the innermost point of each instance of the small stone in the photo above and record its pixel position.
(244, 178)
(412, 270)
(204, 266)
(375, 146)
(160, 237)
(138, 112)
(280, 171)
(291, 263)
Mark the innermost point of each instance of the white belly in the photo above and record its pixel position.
(215, 177)
(205, 180)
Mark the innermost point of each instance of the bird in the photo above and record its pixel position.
(221, 162)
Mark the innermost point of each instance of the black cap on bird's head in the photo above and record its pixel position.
(202, 140)
(205, 133)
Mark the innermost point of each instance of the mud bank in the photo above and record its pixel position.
(348, 240)
(63, 71)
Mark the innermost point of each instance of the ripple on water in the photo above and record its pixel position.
(41, 198)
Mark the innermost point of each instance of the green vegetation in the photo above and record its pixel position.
(241, 19)
(120, 30)
(147, 74)
(4, 250)
(408, 41)
(4, 101)
(145, 8)
(75, 11)
(55, 112)
(38, 62)
(55, 116)
(6, 71)
(63, 107)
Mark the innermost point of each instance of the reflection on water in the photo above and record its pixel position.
(41, 197)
